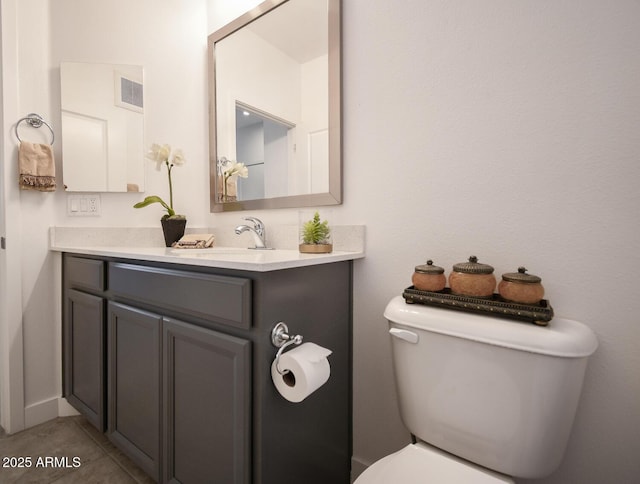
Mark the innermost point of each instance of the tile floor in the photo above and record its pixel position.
(84, 456)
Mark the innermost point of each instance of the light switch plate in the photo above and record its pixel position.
(83, 205)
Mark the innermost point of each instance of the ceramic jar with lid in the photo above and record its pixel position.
(428, 277)
(472, 279)
(521, 287)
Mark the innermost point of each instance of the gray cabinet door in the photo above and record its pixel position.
(207, 410)
(84, 355)
(134, 388)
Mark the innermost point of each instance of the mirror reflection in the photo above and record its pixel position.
(102, 127)
(276, 103)
(266, 145)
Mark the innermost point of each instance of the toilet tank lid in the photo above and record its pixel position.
(562, 337)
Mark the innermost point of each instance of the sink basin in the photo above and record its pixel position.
(214, 250)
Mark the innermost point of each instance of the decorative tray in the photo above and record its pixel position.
(539, 314)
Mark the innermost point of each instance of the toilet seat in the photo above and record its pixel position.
(421, 464)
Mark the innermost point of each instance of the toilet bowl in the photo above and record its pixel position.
(421, 464)
(486, 398)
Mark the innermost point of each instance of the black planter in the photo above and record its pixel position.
(173, 229)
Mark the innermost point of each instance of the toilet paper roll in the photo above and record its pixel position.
(306, 369)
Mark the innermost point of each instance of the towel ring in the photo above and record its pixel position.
(36, 121)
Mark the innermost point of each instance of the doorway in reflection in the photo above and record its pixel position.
(266, 145)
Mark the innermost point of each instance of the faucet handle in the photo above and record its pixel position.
(255, 220)
(257, 224)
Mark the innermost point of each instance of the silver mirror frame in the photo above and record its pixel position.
(334, 196)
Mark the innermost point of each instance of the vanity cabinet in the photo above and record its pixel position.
(180, 370)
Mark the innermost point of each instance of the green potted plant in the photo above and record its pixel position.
(173, 225)
(315, 236)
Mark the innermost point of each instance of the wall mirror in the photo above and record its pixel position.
(275, 106)
(102, 127)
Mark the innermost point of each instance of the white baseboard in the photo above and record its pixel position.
(46, 410)
(65, 409)
(40, 412)
(357, 467)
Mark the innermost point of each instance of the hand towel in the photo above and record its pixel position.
(195, 241)
(37, 167)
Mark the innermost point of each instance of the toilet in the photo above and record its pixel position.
(486, 399)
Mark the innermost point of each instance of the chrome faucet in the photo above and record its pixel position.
(257, 231)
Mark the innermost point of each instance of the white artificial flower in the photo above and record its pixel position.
(178, 158)
(236, 168)
(152, 154)
(243, 171)
(159, 154)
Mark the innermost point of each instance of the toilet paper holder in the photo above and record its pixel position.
(280, 338)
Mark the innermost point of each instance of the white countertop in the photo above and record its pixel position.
(220, 257)
(143, 244)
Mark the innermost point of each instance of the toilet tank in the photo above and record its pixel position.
(497, 392)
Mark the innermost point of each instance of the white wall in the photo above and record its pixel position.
(11, 334)
(171, 45)
(35, 211)
(508, 130)
(169, 40)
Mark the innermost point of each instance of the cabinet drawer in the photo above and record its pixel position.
(221, 299)
(84, 273)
